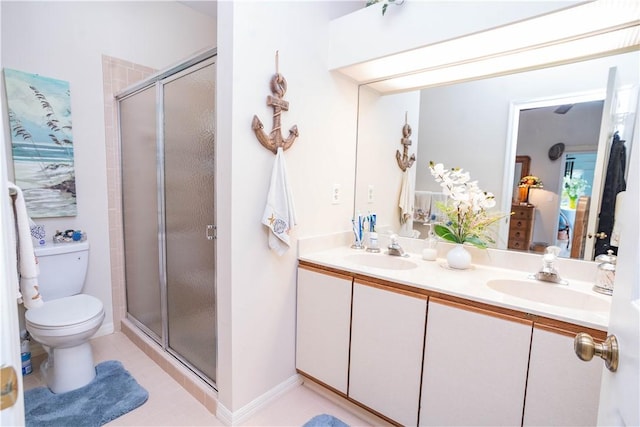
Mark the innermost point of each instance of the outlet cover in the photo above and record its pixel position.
(370, 194)
(336, 194)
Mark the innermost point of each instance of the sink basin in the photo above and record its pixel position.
(550, 293)
(384, 262)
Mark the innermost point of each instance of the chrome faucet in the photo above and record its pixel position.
(548, 273)
(394, 247)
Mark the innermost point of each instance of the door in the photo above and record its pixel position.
(189, 168)
(141, 221)
(475, 367)
(616, 113)
(620, 390)
(11, 400)
(324, 326)
(168, 168)
(387, 342)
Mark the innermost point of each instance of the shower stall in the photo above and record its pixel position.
(167, 151)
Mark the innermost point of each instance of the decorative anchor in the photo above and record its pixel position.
(274, 139)
(404, 161)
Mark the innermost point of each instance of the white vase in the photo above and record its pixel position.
(459, 258)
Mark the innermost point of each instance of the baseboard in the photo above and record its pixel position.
(247, 411)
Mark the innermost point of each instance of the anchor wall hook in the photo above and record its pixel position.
(404, 161)
(274, 139)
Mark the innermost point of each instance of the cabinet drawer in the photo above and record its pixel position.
(521, 212)
(518, 244)
(519, 224)
(518, 234)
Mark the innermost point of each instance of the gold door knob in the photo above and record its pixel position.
(586, 348)
(601, 235)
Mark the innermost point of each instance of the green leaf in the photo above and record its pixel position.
(476, 241)
(445, 233)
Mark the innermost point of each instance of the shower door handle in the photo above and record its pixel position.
(210, 232)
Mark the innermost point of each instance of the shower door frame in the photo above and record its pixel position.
(201, 60)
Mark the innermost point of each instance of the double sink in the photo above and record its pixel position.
(524, 289)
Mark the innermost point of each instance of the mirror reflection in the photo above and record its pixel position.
(554, 117)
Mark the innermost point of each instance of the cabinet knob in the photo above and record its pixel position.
(585, 348)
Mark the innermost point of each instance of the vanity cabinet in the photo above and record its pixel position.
(415, 356)
(561, 390)
(387, 339)
(521, 227)
(323, 326)
(475, 366)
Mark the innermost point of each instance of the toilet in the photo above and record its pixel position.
(67, 319)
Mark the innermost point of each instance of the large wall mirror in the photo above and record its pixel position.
(552, 116)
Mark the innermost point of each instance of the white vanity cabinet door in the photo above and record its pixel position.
(475, 367)
(562, 390)
(387, 340)
(323, 322)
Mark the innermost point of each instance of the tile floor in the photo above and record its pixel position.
(170, 405)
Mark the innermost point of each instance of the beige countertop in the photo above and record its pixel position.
(574, 303)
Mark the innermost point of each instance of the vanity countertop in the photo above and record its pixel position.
(470, 284)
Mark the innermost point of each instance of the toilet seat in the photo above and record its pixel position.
(68, 312)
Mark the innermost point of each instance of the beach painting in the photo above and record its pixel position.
(39, 111)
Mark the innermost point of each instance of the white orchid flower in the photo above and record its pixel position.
(467, 214)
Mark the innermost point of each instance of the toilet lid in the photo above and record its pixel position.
(65, 311)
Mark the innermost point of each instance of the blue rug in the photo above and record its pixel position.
(324, 420)
(112, 393)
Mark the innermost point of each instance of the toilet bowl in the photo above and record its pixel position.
(63, 327)
(67, 319)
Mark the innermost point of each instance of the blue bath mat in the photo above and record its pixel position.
(112, 393)
(324, 420)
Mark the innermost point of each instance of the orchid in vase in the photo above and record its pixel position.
(467, 212)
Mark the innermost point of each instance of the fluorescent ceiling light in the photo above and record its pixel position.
(581, 49)
(571, 34)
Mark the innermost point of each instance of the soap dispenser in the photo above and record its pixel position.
(606, 273)
(430, 253)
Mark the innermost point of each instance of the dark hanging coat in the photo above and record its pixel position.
(613, 184)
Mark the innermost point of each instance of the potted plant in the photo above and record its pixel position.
(574, 188)
(468, 218)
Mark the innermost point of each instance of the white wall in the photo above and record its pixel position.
(380, 123)
(256, 287)
(66, 41)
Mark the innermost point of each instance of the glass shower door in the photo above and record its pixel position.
(188, 114)
(138, 135)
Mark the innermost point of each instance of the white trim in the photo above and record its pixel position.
(238, 417)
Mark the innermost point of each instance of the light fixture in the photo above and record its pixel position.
(581, 32)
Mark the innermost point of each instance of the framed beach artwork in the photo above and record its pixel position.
(39, 111)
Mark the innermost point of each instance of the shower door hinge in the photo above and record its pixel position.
(210, 232)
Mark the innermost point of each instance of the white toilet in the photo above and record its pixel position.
(67, 319)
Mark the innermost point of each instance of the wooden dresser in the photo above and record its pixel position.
(521, 227)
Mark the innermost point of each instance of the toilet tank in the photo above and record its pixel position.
(63, 268)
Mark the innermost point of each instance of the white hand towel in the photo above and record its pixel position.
(406, 198)
(28, 264)
(279, 213)
(422, 205)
